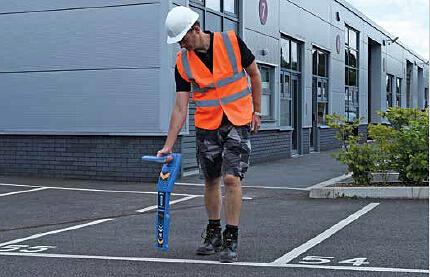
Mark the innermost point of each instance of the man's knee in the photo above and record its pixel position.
(231, 181)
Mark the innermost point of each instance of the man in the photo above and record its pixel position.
(211, 66)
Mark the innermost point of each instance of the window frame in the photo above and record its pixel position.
(398, 92)
(323, 79)
(389, 90)
(298, 43)
(224, 15)
(288, 99)
(271, 115)
(426, 97)
(352, 91)
(287, 40)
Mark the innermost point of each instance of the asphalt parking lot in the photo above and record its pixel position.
(53, 227)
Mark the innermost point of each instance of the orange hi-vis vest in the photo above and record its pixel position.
(225, 90)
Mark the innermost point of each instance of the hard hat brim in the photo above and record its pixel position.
(178, 38)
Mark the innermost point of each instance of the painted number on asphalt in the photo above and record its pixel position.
(25, 248)
(326, 260)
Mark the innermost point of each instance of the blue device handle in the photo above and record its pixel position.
(156, 159)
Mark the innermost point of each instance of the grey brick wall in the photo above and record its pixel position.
(115, 158)
(328, 139)
(270, 145)
(306, 140)
(82, 157)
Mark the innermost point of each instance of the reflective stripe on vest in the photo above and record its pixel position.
(221, 83)
(224, 101)
(186, 65)
(230, 52)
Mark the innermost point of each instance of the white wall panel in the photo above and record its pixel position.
(107, 101)
(14, 6)
(115, 37)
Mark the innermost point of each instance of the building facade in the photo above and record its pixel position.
(87, 87)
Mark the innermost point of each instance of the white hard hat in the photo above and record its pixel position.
(178, 21)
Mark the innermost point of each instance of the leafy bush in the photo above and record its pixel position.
(383, 137)
(410, 144)
(402, 146)
(357, 157)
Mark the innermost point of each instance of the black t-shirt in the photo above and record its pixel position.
(207, 58)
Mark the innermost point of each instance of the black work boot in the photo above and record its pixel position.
(228, 253)
(212, 241)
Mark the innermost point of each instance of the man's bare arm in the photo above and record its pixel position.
(177, 121)
(255, 77)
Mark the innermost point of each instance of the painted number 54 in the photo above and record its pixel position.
(326, 260)
(25, 248)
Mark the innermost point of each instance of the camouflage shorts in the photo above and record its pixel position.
(223, 151)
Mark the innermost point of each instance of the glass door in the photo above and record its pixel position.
(295, 113)
(285, 99)
(314, 114)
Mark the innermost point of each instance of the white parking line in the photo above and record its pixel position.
(323, 236)
(36, 236)
(99, 190)
(188, 261)
(171, 203)
(22, 191)
(330, 182)
(111, 191)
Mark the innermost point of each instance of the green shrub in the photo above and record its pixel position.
(357, 157)
(410, 144)
(401, 146)
(383, 137)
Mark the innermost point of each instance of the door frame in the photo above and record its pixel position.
(297, 114)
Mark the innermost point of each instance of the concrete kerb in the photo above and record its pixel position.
(329, 190)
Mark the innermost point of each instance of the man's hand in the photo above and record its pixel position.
(164, 152)
(256, 123)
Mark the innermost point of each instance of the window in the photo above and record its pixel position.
(320, 84)
(286, 100)
(267, 91)
(230, 6)
(352, 38)
(426, 100)
(409, 70)
(351, 103)
(389, 90)
(214, 5)
(322, 100)
(285, 53)
(398, 92)
(290, 54)
(213, 22)
(217, 15)
(351, 73)
(322, 64)
(294, 56)
(289, 79)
